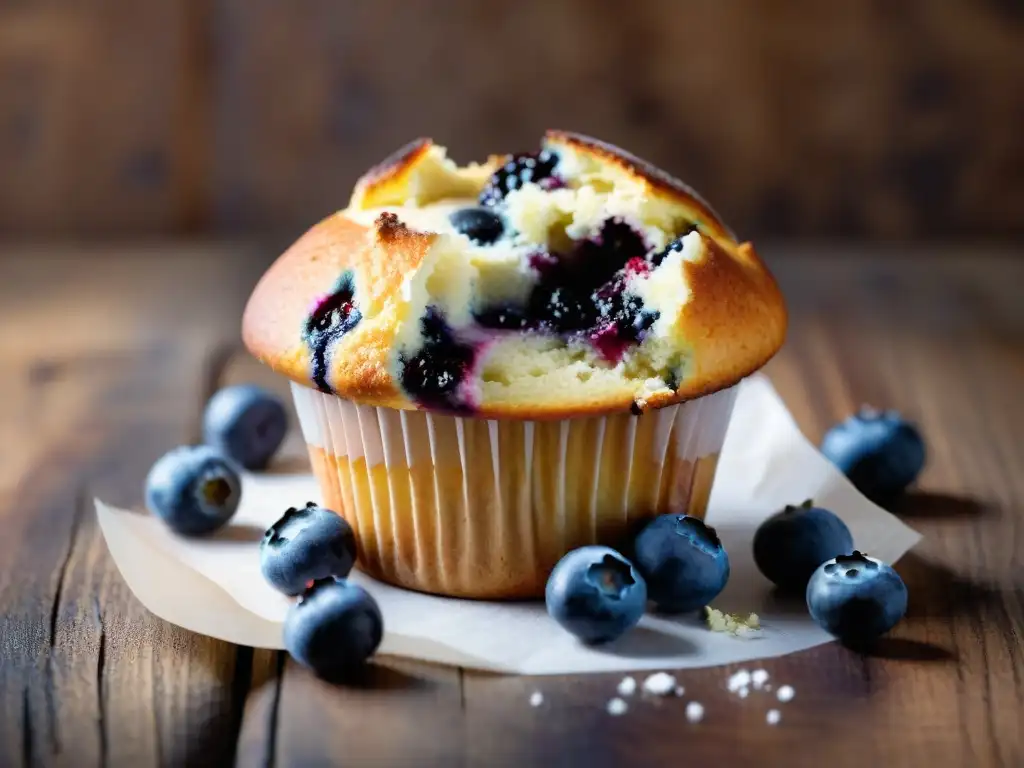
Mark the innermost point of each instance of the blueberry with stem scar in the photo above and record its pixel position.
(791, 544)
(683, 562)
(194, 490)
(308, 543)
(596, 594)
(856, 598)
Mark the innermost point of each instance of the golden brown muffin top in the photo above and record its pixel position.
(573, 281)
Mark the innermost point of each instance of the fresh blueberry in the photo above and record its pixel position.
(538, 167)
(879, 451)
(856, 598)
(193, 489)
(791, 544)
(683, 562)
(481, 225)
(246, 423)
(307, 544)
(333, 628)
(596, 594)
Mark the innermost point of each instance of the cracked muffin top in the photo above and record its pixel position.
(576, 280)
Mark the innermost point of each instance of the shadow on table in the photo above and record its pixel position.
(645, 643)
(381, 677)
(926, 505)
(905, 649)
(937, 592)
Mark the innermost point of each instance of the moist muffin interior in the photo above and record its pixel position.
(547, 270)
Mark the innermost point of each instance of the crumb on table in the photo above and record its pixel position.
(733, 623)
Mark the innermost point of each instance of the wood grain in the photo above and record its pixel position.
(866, 119)
(88, 676)
(113, 360)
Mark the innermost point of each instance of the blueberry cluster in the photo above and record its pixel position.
(335, 625)
(196, 489)
(808, 550)
(583, 295)
(579, 295)
(678, 564)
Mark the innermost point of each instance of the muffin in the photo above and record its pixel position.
(497, 363)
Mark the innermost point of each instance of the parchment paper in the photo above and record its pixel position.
(213, 586)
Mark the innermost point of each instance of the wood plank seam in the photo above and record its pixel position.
(62, 572)
(271, 751)
(101, 685)
(26, 729)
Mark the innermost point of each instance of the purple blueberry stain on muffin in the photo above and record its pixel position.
(437, 376)
(583, 294)
(332, 317)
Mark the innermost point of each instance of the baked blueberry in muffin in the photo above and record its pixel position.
(574, 273)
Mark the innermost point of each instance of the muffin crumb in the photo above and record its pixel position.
(659, 684)
(732, 623)
(741, 679)
(694, 711)
(758, 678)
(616, 707)
(627, 686)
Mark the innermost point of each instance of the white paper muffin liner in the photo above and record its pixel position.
(484, 508)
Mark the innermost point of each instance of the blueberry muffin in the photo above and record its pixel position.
(494, 364)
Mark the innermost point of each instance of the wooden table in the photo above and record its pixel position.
(109, 354)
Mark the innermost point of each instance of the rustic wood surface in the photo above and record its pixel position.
(109, 354)
(864, 117)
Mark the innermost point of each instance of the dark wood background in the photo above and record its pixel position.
(869, 118)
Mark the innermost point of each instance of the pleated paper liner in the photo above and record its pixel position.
(484, 509)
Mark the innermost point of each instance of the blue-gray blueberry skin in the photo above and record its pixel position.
(333, 629)
(683, 562)
(247, 423)
(194, 490)
(879, 451)
(307, 544)
(595, 594)
(856, 598)
(791, 544)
